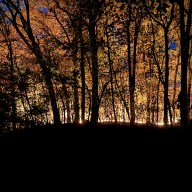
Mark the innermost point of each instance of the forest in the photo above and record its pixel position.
(96, 61)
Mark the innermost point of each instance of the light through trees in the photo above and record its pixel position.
(83, 61)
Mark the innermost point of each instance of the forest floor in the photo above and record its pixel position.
(101, 140)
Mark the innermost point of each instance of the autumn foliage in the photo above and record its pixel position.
(95, 61)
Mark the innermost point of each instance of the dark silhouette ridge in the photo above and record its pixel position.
(101, 141)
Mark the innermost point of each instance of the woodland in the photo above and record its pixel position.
(95, 61)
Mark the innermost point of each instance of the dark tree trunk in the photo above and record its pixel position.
(76, 97)
(82, 66)
(49, 85)
(132, 61)
(111, 77)
(166, 82)
(13, 94)
(148, 120)
(47, 76)
(185, 40)
(189, 84)
(130, 66)
(157, 117)
(75, 80)
(67, 101)
(94, 59)
(174, 90)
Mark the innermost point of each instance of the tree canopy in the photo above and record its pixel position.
(95, 60)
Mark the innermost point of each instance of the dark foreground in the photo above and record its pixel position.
(116, 141)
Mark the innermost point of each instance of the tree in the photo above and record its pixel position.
(185, 38)
(132, 24)
(164, 19)
(5, 31)
(93, 11)
(18, 14)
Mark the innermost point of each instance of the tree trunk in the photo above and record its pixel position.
(130, 66)
(75, 80)
(166, 82)
(76, 97)
(67, 101)
(82, 66)
(185, 40)
(189, 84)
(148, 120)
(157, 117)
(111, 77)
(94, 59)
(132, 62)
(49, 84)
(175, 87)
(13, 94)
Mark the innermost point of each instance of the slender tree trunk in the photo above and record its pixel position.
(111, 77)
(123, 99)
(67, 101)
(166, 82)
(76, 97)
(14, 109)
(189, 93)
(185, 40)
(131, 77)
(148, 109)
(75, 77)
(189, 85)
(62, 101)
(82, 66)
(94, 59)
(132, 62)
(157, 117)
(49, 85)
(175, 89)
(170, 113)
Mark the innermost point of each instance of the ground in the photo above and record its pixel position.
(98, 141)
